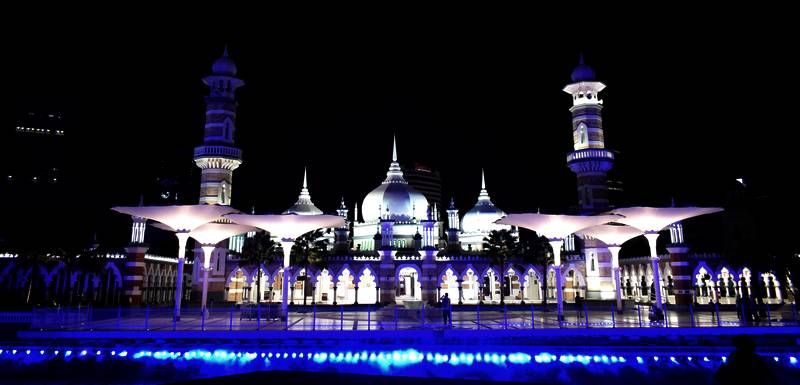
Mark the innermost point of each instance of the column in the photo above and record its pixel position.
(134, 274)
(681, 274)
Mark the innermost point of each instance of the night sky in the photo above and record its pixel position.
(690, 105)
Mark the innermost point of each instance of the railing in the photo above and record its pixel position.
(266, 316)
(229, 152)
(590, 153)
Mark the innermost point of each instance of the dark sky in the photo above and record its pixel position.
(692, 103)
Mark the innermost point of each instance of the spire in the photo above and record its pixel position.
(141, 200)
(395, 173)
(483, 196)
(225, 52)
(355, 217)
(342, 206)
(253, 210)
(304, 205)
(394, 148)
(580, 58)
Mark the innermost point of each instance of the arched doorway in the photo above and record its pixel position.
(408, 285)
(345, 288)
(469, 287)
(367, 292)
(703, 285)
(532, 286)
(574, 283)
(512, 290)
(491, 286)
(324, 291)
(448, 283)
(237, 281)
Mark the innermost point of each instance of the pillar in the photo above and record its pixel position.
(134, 274)
(681, 274)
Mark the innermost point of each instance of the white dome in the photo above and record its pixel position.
(401, 200)
(482, 216)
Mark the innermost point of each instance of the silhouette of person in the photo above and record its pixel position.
(579, 305)
(446, 309)
(744, 366)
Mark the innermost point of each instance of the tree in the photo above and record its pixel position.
(258, 250)
(499, 246)
(309, 250)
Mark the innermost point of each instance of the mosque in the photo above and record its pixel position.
(398, 247)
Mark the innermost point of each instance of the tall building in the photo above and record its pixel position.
(39, 138)
(217, 158)
(590, 160)
(425, 180)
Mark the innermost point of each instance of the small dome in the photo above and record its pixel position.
(582, 73)
(304, 205)
(480, 218)
(224, 65)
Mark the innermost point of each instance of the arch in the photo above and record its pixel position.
(409, 287)
(233, 273)
(323, 290)
(366, 282)
(700, 265)
(345, 286)
(469, 285)
(573, 284)
(114, 270)
(404, 266)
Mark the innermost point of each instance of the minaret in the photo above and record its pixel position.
(453, 226)
(218, 157)
(341, 243)
(590, 160)
(342, 210)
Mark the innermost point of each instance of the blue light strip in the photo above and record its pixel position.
(385, 360)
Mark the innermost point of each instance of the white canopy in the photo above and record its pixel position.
(213, 233)
(179, 217)
(555, 226)
(287, 226)
(612, 235)
(654, 219)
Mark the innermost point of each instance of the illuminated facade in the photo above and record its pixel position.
(400, 246)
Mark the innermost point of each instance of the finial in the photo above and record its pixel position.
(305, 173)
(225, 52)
(253, 210)
(483, 180)
(141, 200)
(394, 148)
(538, 210)
(673, 201)
(580, 59)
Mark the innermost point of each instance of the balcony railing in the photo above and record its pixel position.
(223, 151)
(590, 153)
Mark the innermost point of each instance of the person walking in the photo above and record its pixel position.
(446, 309)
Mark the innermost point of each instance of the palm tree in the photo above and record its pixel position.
(309, 250)
(258, 250)
(499, 246)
